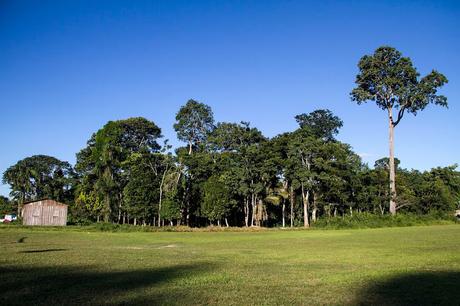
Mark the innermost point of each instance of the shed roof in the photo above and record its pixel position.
(47, 200)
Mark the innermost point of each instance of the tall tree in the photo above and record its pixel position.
(140, 194)
(173, 189)
(217, 201)
(39, 176)
(322, 122)
(101, 164)
(439, 190)
(243, 148)
(303, 149)
(391, 80)
(156, 167)
(194, 122)
(311, 149)
(285, 190)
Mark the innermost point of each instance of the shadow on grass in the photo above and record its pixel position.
(21, 240)
(423, 288)
(82, 286)
(42, 251)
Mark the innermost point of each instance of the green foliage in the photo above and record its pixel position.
(194, 122)
(140, 194)
(6, 206)
(102, 165)
(322, 122)
(418, 192)
(88, 207)
(391, 80)
(369, 220)
(393, 83)
(232, 172)
(383, 163)
(439, 190)
(217, 201)
(170, 209)
(40, 176)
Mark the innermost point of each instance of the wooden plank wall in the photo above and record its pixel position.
(44, 212)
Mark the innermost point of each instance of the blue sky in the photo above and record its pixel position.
(67, 67)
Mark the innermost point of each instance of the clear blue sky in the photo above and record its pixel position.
(67, 67)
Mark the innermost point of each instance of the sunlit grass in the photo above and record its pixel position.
(232, 268)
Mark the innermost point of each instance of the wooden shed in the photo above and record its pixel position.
(44, 212)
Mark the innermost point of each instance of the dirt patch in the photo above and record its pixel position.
(168, 246)
(133, 248)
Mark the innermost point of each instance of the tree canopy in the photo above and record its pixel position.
(231, 173)
(40, 176)
(194, 122)
(393, 83)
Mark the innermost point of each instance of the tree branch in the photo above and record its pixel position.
(403, 205)
(400, 115)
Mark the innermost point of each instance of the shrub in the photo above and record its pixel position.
(367, 220)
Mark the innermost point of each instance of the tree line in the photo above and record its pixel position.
(229, 173)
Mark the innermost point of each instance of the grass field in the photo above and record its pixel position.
(392, 266)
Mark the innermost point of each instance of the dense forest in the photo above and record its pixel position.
(229, 173)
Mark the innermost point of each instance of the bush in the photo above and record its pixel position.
(113, 227)
(367, 220)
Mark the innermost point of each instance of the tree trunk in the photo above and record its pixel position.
(218, 223)
(315, 209)
(107, 208)
(259, 212)
(253, 206)
(185, 210)
(283, 210)
(305, 207)
(20, 204)
(161, 193)
(119, 207)
(135, 221)
(226, 222)
(392, 164)
(313, 214)
(246, 211)
(292, 206)
(159, 204)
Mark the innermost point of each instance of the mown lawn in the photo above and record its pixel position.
(412, 265)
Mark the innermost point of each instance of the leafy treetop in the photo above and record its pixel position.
(391, 80)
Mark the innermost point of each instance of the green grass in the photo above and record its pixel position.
(406, 265)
